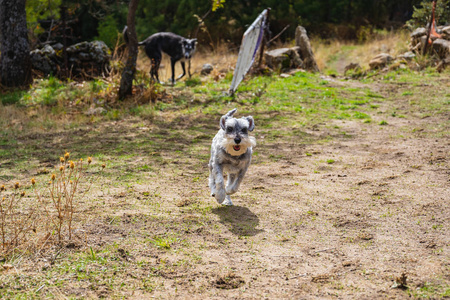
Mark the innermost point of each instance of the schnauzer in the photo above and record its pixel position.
(231, 152)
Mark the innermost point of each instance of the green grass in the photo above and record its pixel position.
(12, 97)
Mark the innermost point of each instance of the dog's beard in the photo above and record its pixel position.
(238, 149)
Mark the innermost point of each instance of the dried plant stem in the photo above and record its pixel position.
(55, 212)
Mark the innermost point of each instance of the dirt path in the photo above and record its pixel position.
(343, 219)
(363, 208)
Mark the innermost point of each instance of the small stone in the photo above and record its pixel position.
(380, 61)
(206, 69)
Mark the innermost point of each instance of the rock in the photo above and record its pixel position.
(441, 47)
(407, 55)
(283, 58)
(44, 60)
(380, 61)
(352, 66)
(206, 69)
(443, 64)
(77, 48)
(93, 111)
(418, 33)
(84, 56)
(100, 52)
(306, 54)
(84, 59)
(58, 46)
(446, 32)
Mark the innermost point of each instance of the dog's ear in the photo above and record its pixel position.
(231, 112)
(194, 41)
(251, 123)
(223, 120)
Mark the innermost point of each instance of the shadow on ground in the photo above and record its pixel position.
(240, 220)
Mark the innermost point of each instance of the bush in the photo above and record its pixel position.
(107, 31)
(421, 14)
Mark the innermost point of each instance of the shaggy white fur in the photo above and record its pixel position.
(229, 144)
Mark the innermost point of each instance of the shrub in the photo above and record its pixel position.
(107, 31)
(421, 14)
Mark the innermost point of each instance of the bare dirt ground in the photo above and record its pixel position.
(303, 227)
(362, 215)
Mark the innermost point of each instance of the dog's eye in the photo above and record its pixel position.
(244, 130)
(229, 129)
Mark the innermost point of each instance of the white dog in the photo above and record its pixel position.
(231, 152)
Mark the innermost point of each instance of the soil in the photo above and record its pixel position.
(363, 216)
(305, 228)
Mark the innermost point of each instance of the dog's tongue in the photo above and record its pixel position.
(236, 147)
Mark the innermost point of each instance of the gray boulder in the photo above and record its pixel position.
(418, 33)
(44, 60)
(100, 52)
(283, 58)
(380, 61)
(352, 66)
(446, 32)
(305, 51)
(441, 47)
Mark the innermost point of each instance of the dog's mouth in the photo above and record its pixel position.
(236, 147)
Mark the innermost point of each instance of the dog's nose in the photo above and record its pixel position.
(237, 140)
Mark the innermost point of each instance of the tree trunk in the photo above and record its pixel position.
(15, 52)
(126, 82)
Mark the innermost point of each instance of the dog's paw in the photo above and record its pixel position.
(230, 191)
(220, 195)
(227, 201)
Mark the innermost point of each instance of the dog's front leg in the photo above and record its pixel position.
(220, 193)
(172, 65)
(183, 66)
(189, 68)
(212, 181)
(233, 186)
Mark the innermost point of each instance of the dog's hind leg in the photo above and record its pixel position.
(233, 185)
(227, 201)
(154, 69)
(230, 182)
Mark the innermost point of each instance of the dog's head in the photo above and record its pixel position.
(236, 139)
(188, 47)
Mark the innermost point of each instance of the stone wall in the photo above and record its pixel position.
(440, 41)
(84, 60)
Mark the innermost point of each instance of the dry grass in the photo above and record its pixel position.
(335, 55)
(221, 58)
(46, 215)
